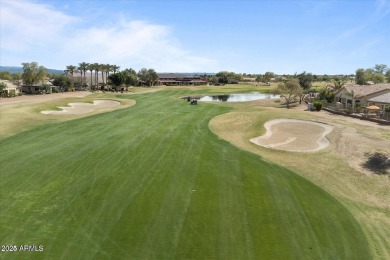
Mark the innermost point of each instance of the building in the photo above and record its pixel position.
(10, 89)
(355, 96)
(382, 100)
(40, 88)
(177, 79)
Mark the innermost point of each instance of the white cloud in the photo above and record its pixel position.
(26, 25)
(59, 40)
(136, 44)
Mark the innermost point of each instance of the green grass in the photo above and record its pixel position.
(153, 182)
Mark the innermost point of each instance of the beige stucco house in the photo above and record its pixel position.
(10, 89)
(355, 96)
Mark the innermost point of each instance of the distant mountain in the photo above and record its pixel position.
(11, 69)
(20, 69)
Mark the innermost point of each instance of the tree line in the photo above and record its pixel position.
(110, 75)
(107, 75)
(101, 76)
(380, 73)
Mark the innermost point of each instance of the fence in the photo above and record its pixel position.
(379, 116)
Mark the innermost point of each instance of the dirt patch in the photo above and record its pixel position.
(294, 135)
(83, 108)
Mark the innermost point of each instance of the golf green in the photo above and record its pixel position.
(153, 182)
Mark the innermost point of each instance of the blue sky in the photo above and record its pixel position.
(285, 37)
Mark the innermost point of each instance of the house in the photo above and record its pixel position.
(42, 87)
(172, 79)
(355, 96)
(10, 89)
(383, 100)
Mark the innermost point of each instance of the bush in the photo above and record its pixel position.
(317, 105)
(327, 95)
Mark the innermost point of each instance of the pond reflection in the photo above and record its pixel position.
(238, 97)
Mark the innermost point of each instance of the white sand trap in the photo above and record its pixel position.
(83, 108)
(294, 135)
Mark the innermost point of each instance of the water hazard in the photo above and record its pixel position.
(238, 97)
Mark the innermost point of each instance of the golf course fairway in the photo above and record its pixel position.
(153, 182)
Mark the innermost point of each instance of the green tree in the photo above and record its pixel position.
(90, 67)
(305, 80)
(5, 75)
(130, 77)
(83, 67)
(338, 84)
(378, 78)
(96, 68)
(70, 70)
(62, 81)
(33, 74)
(326, 94)
(222, 77)
(380, 68)
(16, 78)
(369, 74)
(260, 78)
(268, 76)
(360, 77)
(103, 71)
(213, 79)
(387, 75)
(107, 70)
(115, 68)
(148, 76)
(290, 91)
(2, 87)
(326, 78)
(116, 79)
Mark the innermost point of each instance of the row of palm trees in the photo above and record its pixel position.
(83, 67)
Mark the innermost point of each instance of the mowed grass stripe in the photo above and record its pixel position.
(152, 181)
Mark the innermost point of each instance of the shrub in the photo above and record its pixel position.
(327, 95)
(317, 105)
(2, 86)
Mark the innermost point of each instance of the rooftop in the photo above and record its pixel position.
(364, 90)
(385, 98)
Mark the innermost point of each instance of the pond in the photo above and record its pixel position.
(242, 97)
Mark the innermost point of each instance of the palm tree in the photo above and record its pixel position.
(338, 84)
(96, 67)
(90, 67)
(70, 69)
(115, 68)
(107, 68)
(83, 67)
(103, 71)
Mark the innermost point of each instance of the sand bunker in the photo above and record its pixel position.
(294, 135)
(83, 108)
